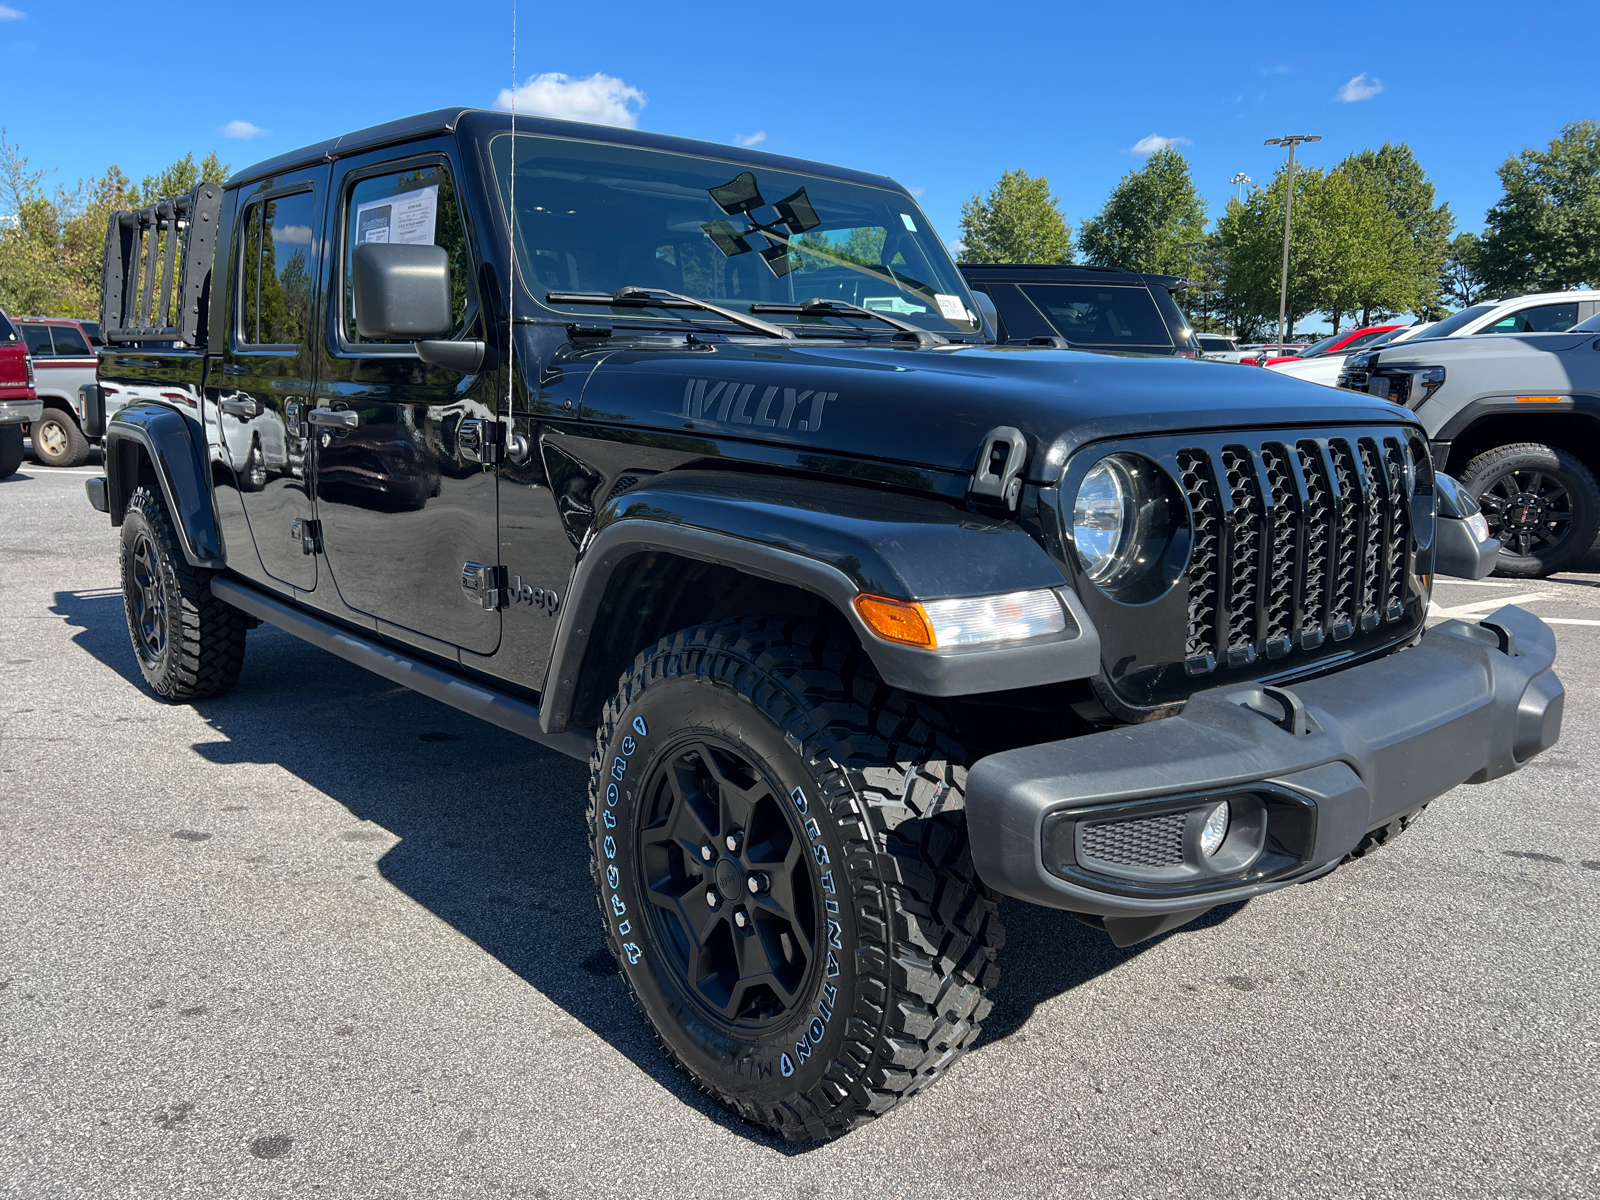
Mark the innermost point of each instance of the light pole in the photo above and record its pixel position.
(1239, 181)
(1291, 141)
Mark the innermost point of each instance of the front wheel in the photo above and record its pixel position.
(1541, 502)
(780, 849)
(189, 644)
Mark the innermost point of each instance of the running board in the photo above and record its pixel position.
(470, 696)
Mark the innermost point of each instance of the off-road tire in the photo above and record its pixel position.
(10, 450)
(1522, 461)
(1384, 834)
(875, 789)
(193, 647)
(57, 440)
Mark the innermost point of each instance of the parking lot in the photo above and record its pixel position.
(323, 936)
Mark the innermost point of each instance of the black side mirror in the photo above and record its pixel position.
(402, 291)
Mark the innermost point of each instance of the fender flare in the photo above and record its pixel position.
(1473, 411)
(164, 435)
(836, 541)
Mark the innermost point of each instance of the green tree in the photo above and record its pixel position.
(1018, 222)
(1458, 278)
(1367, 260)
(1393, 174)
(1250, 238)
(1148, 220)
(1544, 232)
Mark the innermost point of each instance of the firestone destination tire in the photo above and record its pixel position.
(842, 962)
(189, 645)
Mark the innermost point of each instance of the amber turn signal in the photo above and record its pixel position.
(895, 620)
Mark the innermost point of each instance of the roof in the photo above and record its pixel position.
(481, 122)
(1014, 272)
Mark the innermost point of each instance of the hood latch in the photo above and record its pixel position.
(997, 479)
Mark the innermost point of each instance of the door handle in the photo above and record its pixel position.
(245, 410)
(337, 418)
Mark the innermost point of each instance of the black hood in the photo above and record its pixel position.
(931, 409)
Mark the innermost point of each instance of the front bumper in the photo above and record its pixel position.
(1348, 752)
(20, 412)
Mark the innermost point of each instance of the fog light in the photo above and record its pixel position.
(1214, 830)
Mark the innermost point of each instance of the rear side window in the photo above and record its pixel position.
(417, 205)
(1546, 318)
(70, 341)
(8, 332)
(1102, 318)
(38, 339)
(274, 271)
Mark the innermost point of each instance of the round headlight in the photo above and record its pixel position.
(1102, 519)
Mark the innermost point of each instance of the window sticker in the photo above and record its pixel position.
(909, 223)
(950, 307)
(408, 218)
(892, 304)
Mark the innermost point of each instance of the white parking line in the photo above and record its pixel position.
(1483, 606)
(1568, 621)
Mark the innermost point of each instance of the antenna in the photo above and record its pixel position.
(511, 245)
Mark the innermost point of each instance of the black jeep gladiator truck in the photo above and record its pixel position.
(702, 465)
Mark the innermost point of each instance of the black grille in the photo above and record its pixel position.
(1303, 541)
(1147, 842)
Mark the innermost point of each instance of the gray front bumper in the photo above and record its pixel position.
(19, 412)
(1467, 704)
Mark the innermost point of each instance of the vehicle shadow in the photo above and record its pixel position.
(492, 832)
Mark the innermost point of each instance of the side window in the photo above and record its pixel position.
(38, 339)
(417, 205)
(70, 341)
(1545, 318)
(274, 271)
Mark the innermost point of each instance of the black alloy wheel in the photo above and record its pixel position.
(147, 602)
(1541, 502)
(724, 871)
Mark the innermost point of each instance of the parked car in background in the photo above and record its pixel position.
(1335, 344)
(18, 402)
(1085, 308)
(1328, 369)
(63, 361)
(1216, 348)
(1543, 312)
(1516, 417)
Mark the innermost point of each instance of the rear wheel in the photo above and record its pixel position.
(57, 440)
(10, 450)
(1541, 502)
(780, 849)
(189, 644)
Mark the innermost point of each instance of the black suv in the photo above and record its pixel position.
(1085, 308)
(696, 463)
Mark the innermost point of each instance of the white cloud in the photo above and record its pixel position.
(599, 99)
(8, 13)
(755, 139)
(917, 192)
(1149, 145)
(298, 235)
(1362, 87)
(243, 129)
(955, 246)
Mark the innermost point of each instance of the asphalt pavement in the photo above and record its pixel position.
(324, 937)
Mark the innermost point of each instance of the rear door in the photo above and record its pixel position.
(264, 386)
(402, 512)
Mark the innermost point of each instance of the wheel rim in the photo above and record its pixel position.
(742, 977)
(51, 438)
(149, 601)
(1531, 512)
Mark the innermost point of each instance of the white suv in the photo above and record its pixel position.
(1544, 312)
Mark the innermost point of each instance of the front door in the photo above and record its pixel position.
(402, 511)
(264, 387)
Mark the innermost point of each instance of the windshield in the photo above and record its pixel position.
(1454, 322)
(1592, 325)
(592, 217)
(1317, 348)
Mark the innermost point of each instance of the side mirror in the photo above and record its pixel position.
(402, 291)
(985, 303)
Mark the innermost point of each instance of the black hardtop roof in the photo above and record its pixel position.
(1076, 272)
(482, 121)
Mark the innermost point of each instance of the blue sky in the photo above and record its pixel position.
(942, 96)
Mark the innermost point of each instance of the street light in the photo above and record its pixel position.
(1291, 141)
(1239, 181)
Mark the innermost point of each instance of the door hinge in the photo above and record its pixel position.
(487, 584)
(481, 440)
(308, 534)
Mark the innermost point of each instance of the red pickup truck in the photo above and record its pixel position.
(18, 402)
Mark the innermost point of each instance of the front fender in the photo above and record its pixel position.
(836, 541)
(165, 436)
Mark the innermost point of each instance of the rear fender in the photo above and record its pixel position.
(835, 541)
(146, 431)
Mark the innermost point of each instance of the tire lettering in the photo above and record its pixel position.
(802, 1050)
(830, 994)
(816, 1031)
(833, 965)
(619, 768)
(639, 728)
(821, 853)
(798, 797)
(833, 932)
(611, 795)
(610, 818)
(625, 928)
(786, 1066)
(830, 905)
(827, 880)
(632, 952)
(611, 848)
(618, 907)
(811, 829)
(628, 745)
(612, 879)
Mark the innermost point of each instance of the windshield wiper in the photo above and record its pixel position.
(642, 297)
(820, 307)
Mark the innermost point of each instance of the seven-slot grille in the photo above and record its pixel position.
(1296, 541)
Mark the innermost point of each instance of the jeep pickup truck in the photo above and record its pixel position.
(702, 465)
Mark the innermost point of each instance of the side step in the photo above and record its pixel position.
(470, 696)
